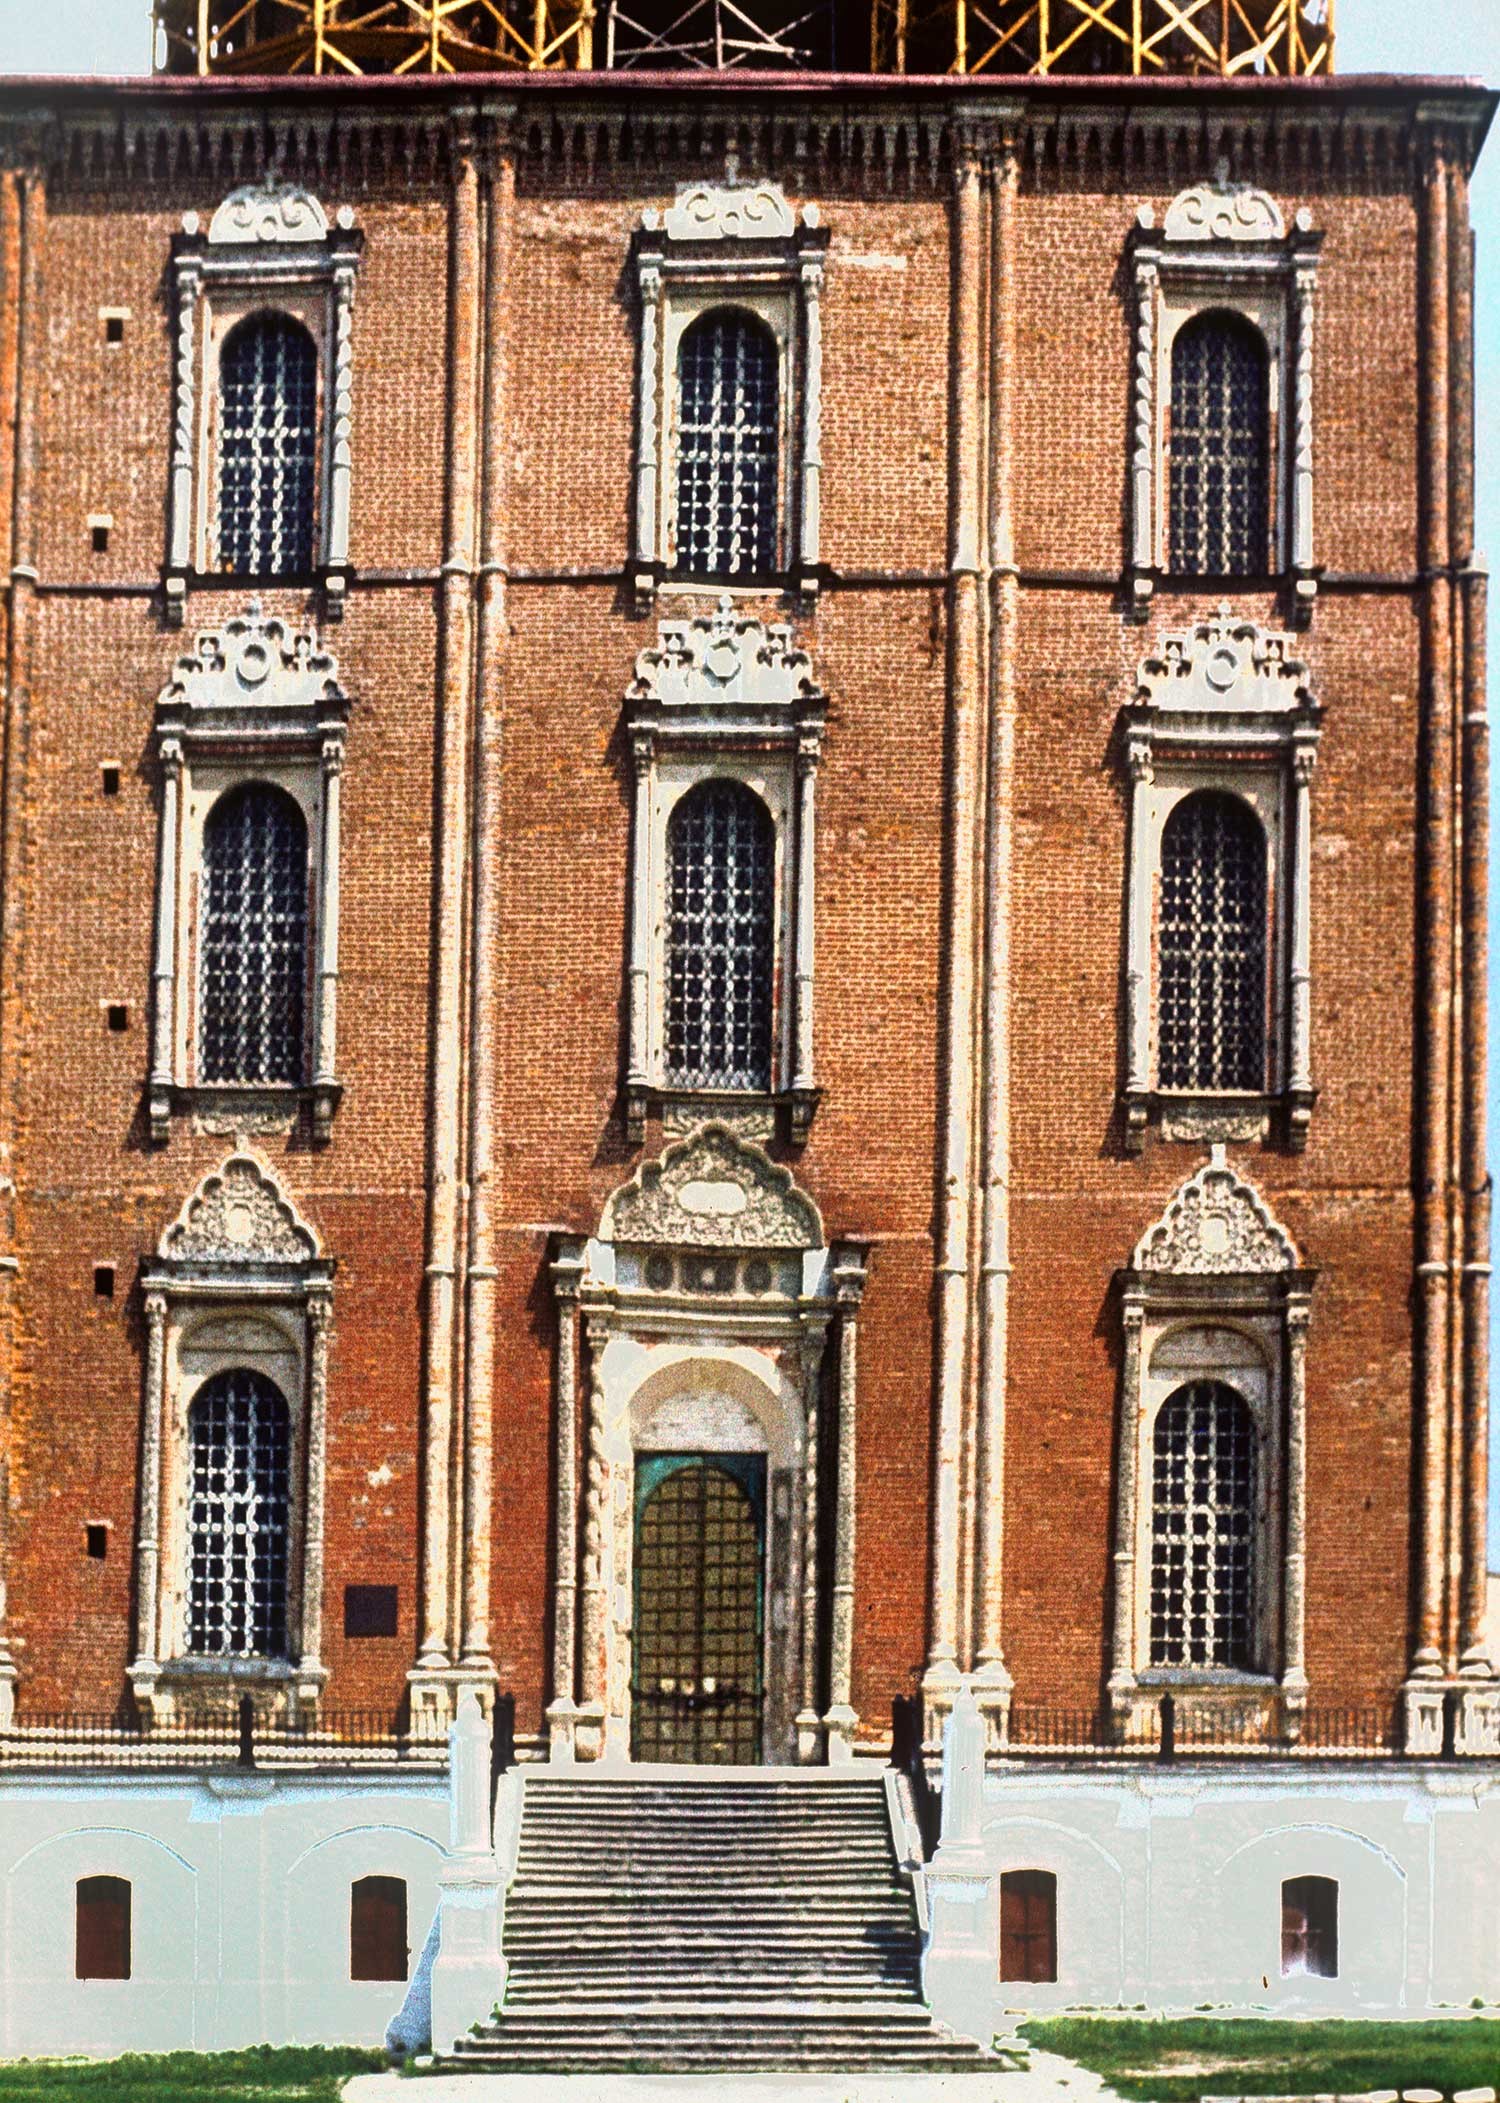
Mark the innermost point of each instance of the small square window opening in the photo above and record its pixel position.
(109, 779)
(369, 1610)
(96, 1543)
(114, 328)
(116, 1017)
(104, 1281)
(99, 539)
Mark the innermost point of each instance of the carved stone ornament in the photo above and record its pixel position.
(723, 660)
(711, 212)
(1229, 664)
(254, 661)
(268, 211)
(1224, 211)
(1217, 1225)
(713, 1191)
(240, 1214)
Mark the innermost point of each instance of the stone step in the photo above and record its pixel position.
(642, 1993)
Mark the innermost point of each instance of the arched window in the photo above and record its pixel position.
(101, 1934)
(377, 1928)
(721, 854)
(1028, 1925)
(1218, 466)
(1310, 1928)
(728, 428)
(268, 446)
(1212, 997)
(253, 977)
(1203, 1529)
(239, 1432)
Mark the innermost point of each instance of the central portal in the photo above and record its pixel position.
(698, 1684)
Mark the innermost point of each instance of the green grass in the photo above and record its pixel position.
(265, 2074)
(1170, 2062)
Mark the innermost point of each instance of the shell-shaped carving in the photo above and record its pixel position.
(713, 1190)
(1224, 211)
(723, 660)
(714, 212)
(269, 211)
(1216, 1225)
(240, 1214)
(252, 659)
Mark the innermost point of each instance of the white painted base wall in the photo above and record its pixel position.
(1169, 1889)
(239, 1906)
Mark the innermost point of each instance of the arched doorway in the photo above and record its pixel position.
(698, 1683)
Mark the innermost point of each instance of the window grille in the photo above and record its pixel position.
(721, 939)
(1202, 1529)
(1218, 475)
(240, 1436)
(728, 416)
(1212, 1003)
(254, 938)
(268, 429)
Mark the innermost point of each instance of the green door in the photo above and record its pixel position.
(700, 1534)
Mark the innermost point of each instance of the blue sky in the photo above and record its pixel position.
(1375, 36)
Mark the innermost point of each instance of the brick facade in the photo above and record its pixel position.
(977, 362)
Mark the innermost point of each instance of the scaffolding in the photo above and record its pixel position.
(1143, 37)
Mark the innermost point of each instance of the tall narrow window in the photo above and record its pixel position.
(1218, 456)
(1310, 1928)
(240, 1517)
(721, 939)
(102, 1928)
(1203, 1529)
(1028, 1926)
(1213, 946)
(254, 940)
(377, 1928)
(728, 431)
(268, 447)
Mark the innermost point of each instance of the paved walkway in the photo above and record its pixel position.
(1047, 2080)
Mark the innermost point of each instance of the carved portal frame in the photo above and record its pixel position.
(723, 695)
(270, 245)
(707, 1302)
(729, 247)
(1226, 247)
(239, 1279)
(1228, 707)
(1216, 1291)
(252, 702)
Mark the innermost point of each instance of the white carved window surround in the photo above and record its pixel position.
(240, 1286)
(1224, 248)
(270, 249)
(709, 1314)
(1215, 1293)
(723, 697)
(1225, 708)
(254, 703)
(739, 249)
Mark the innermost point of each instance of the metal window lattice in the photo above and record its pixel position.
(254, 939)
(268, 427)
(1202, 1529)
(240, 1518)
(1219, 480)
(1213, 947)
(728, 412)
(720, 939)
(697, 1621)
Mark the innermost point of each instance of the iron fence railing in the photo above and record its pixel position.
(234, 1737)
(1182, 1727)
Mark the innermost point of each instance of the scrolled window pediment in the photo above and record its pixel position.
(270, 211)
(1216, 1225)
(240, 1215)
(720, 665)
(713, 1190)
(1226, 665)
(1223, 211)
(716, 212)
(253, 667)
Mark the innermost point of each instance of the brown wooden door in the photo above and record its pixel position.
(699, 1583)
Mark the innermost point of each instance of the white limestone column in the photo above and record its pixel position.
(1294, 1567)
(188, 271)
(1299, 1047)
(592, 1674)
(562, 1711)
(1127, 1492)
(164, 966)
(647, 459)
(841, 1720)
(148, 1540)
(1138, 947)
(319, 1313)
(326, 1028)
(802, 1039)
(1143, 462)
(340, 430)
(1302, 441)
(812, 426)
(642, 891)
(809, 1724)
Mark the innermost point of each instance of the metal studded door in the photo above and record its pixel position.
(697, 1686)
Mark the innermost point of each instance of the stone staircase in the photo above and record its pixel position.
(697, 1921)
